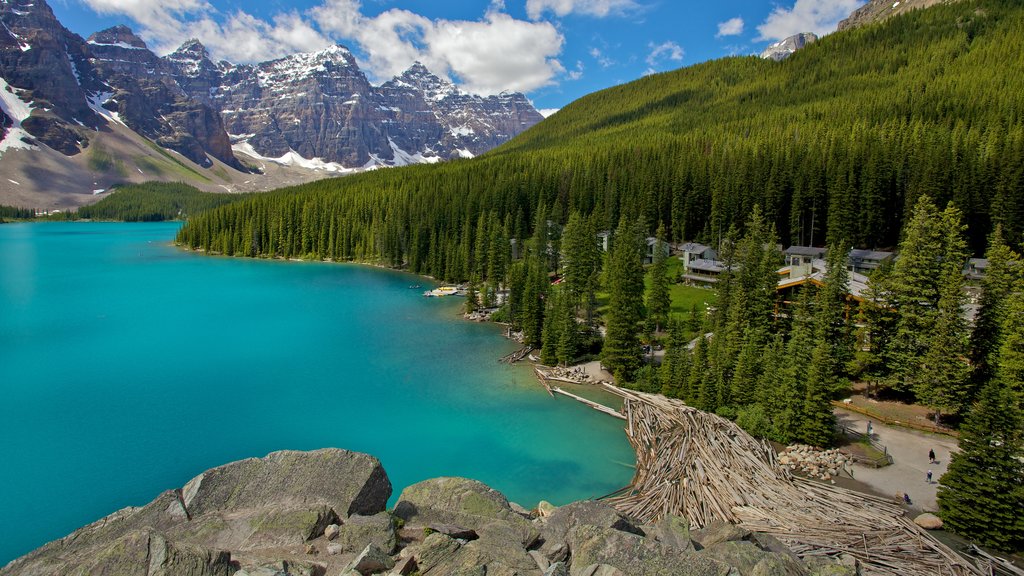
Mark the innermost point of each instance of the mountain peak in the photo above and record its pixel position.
(786, 47)
(119, 35)
(191, 49)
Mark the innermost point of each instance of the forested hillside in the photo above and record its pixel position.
(838, 140)
(155, 202)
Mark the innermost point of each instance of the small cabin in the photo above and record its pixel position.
(701, 271)
(975, 269)
(801, 255)
(866, 261)
(694, 251)
(651, 247)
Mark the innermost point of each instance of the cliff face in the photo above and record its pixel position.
(141, 89)
(321, 105)
(785, 48)
(323, 512)
(878, 10)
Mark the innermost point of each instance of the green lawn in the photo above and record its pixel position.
(683, 296)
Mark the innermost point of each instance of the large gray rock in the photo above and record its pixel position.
(279, 502)
(136, 553)
(358, 531)
(672, 532)
(557, 526)
(635, 555)
(718, 531)
(460, 501)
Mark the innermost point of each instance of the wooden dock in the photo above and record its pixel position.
(705, 468)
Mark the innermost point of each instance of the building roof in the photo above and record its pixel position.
(872, 255)
(806, 251)
(702, 265)
(694, 248)
(857, 284)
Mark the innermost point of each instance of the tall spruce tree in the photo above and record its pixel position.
(982, 493)
(1004, 276)
(581, 262)
(622, 353)
(659, 300)
(817, 426)
(932, 246)
(1010, 369)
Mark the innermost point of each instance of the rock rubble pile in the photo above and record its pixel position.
(815, 462)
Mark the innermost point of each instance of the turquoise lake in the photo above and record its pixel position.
(128, 366)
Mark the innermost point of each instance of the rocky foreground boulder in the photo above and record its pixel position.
(323, 513)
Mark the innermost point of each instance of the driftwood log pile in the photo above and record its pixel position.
(706, 468)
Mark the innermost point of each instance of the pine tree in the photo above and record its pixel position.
(622, 352)
(471, 298)
(553, 326)
(1002, 278)
(982, 493)
(659, 300)
(944, 381)
(818, 422)
(1010, 370)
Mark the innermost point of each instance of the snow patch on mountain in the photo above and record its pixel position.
(17, 110)
(293, 158)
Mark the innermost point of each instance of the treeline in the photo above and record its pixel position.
(155, 202)
(14, 213)
(839, 140)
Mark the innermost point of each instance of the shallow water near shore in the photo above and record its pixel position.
(127, 366)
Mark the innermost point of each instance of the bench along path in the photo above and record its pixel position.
(706, 468)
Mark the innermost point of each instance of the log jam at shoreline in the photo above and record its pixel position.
(705, 468)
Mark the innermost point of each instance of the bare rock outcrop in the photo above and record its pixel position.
(322, 513)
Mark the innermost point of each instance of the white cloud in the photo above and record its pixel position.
(598, 8)
(486, 56)
(577, 73)
(603, 60)
(666, 50)
(818, 16)
(731, 27)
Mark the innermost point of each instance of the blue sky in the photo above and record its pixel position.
(553, 50)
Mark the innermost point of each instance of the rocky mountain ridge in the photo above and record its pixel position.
(323, 513)
(61, 93)
(321, 105)
(878, 10)
(786, 47)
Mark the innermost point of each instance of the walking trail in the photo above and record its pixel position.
(909, 451)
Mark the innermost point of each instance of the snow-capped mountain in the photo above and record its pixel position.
(60, 94)
(785, 48)
(320, 105)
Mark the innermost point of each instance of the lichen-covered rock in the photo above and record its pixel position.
(460, 501)
(279, 501)
(370, 561)
(358, 531)
(718, 531)
(556, 527)
(636, 556)
(673, 532)
(745, 556)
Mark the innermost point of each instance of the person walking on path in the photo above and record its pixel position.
(931, 456)
(929, 476)
(869, 429)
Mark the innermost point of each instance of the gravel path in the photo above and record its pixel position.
(909, 450)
